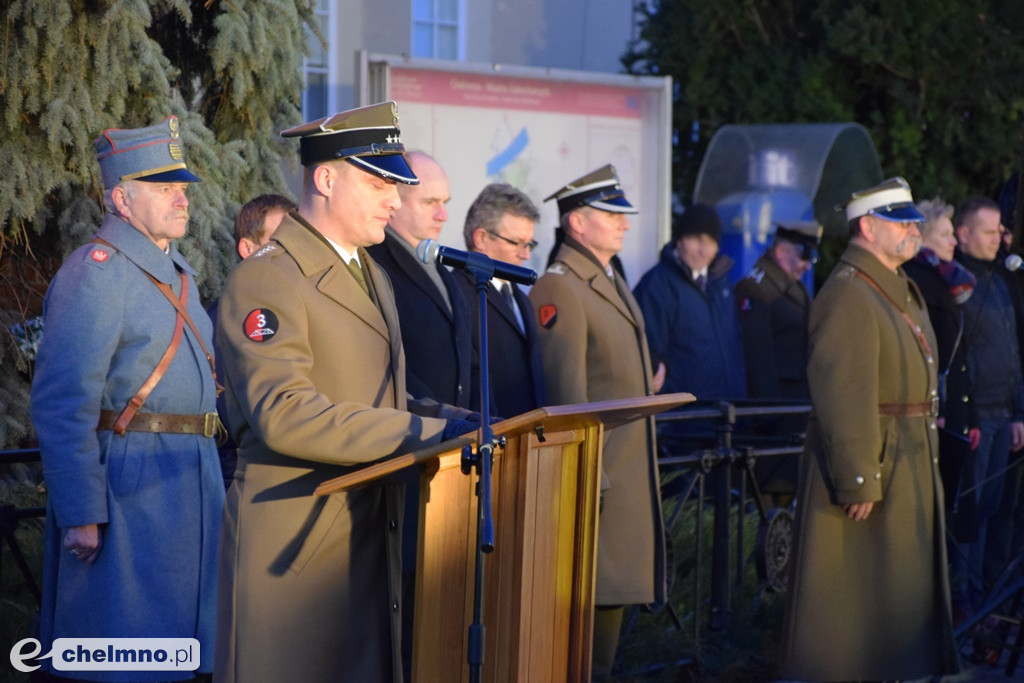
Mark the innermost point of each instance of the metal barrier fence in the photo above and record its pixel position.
(702, 439)
(718, 445)
(11, 516)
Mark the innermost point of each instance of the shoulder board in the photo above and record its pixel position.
(267, 248)
(844, 273)
(756, 275)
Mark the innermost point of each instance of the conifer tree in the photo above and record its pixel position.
(231, 73)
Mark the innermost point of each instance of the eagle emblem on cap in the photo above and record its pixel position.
(172, 123)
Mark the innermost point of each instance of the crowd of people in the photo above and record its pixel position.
(336, 345)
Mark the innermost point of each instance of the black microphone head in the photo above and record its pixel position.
(1013, 262)
(427, 251)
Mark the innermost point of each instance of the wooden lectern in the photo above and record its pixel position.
(539, 581)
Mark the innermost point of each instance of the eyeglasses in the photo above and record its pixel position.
(531, 245)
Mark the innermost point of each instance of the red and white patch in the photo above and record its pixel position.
(260, 324)
(548, 315)
(100, 255)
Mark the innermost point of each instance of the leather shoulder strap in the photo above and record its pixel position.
(914, 327)
(136, 402)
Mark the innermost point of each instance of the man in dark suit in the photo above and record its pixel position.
(500, 224)
(436, 334)
(435, 328)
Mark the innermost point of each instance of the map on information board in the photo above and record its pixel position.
(537, 130)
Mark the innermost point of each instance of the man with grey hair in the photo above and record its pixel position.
(123, 403)
(500, 224)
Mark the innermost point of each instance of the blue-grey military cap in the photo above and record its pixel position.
(152, 154)
(367, 137)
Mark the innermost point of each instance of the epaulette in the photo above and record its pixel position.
(264, 250)
(844, 273)
(756, 275)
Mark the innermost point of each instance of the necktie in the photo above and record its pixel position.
(506, 294)
(702, 282)
(357, 272)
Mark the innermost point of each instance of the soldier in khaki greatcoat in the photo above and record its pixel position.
(315, 381)
(594, 348)
(869, 592)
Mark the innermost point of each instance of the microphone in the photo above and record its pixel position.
(1013, 262)
(430, 251)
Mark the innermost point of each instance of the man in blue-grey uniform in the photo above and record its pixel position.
(123, 403)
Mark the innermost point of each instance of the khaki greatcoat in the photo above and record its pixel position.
(868, 600)
(595, 350)
(309, 586)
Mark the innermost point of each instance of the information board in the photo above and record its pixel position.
(536, 129)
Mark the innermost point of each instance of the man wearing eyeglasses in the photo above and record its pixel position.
(500, 224)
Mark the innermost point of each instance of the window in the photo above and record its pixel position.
(438, 29)
(317, 99)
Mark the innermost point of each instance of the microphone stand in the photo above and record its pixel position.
(482, 269)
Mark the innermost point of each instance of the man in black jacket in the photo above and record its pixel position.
(994, 366)
(431, 309)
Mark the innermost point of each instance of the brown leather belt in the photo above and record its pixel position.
(927, 409)
(164, 423)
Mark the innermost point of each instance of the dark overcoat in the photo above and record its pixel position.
(594, 349)
(315, 381)
(156, 496)
(956, 406)
(773, 311)
(869, 600)
(516, 373)
(437, 338)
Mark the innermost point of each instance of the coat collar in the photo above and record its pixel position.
(142, 251)
(779, 279)
(718, 268)
(317, 259)
(585, 265)
(894, 284)
(416, 271)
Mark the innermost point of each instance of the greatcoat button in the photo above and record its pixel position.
(858, 480)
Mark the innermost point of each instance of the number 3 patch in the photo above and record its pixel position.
(260, 325)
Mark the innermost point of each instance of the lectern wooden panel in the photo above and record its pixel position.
(539, 581)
